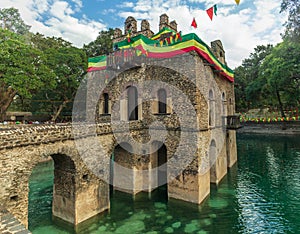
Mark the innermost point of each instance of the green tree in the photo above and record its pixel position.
(69, 65)
(293, 22)
(248, 85)
(22, 69)
(10, 19)
(281, 70)
(102, 45)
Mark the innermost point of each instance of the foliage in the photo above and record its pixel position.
(102, 45)
(10, 19)
(248, 85)
(69, 65)
(293, 23)
(22, 69)
(281, 70)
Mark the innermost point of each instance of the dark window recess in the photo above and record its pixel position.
(14, 198)
(105, 103)
(85, 177)
(132, 95)
(162, 101)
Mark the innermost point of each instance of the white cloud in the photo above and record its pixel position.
(126, 5)
(59, 22)
(240, 29)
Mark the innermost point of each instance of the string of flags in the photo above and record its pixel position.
(194, 24)
(170, 38)
(210, 12)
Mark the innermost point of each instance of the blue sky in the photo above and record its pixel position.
(240, 27)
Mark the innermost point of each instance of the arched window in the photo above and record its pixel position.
(211, 115)
(105, 103)
(132, 106)
(162, 101)
(224, 109)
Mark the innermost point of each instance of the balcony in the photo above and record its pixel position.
(233, 122)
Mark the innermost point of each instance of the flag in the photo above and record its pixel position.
(171, 39)
(128, 36)
(178, 36)
(168, 40)
(194, 24)
(237, 2)
(211, 11)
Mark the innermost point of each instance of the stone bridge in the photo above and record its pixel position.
(78, 193)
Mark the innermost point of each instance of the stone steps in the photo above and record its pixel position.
(9, 224)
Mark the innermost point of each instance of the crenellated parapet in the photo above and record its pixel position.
(130, 29)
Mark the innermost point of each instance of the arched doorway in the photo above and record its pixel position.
(159, 179)
(121, 177)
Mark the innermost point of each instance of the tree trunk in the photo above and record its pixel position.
(6, 98)
(58, 111)
(280, 103)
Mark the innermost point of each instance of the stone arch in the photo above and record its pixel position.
(72, 180)
(65, 161)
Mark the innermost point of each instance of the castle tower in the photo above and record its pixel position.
(217, 49)
(173, 25)
(163, 21)
(117, 33)
(145, 25)
(130, 25)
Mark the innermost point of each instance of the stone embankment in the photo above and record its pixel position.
(9, 224)
(274, 128)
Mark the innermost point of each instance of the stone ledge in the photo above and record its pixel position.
(9, 224)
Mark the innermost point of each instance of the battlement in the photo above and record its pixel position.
(130, 27)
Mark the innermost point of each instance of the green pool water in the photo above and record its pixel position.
(260, 194)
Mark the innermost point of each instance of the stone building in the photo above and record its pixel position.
(160, 77)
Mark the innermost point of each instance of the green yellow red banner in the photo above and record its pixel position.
(156, 49)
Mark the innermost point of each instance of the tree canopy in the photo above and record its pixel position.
(292, 7)
(281, 71)
(69, 65)
(102, 45)
(10, 19)
(248, 85)
(22, 69)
